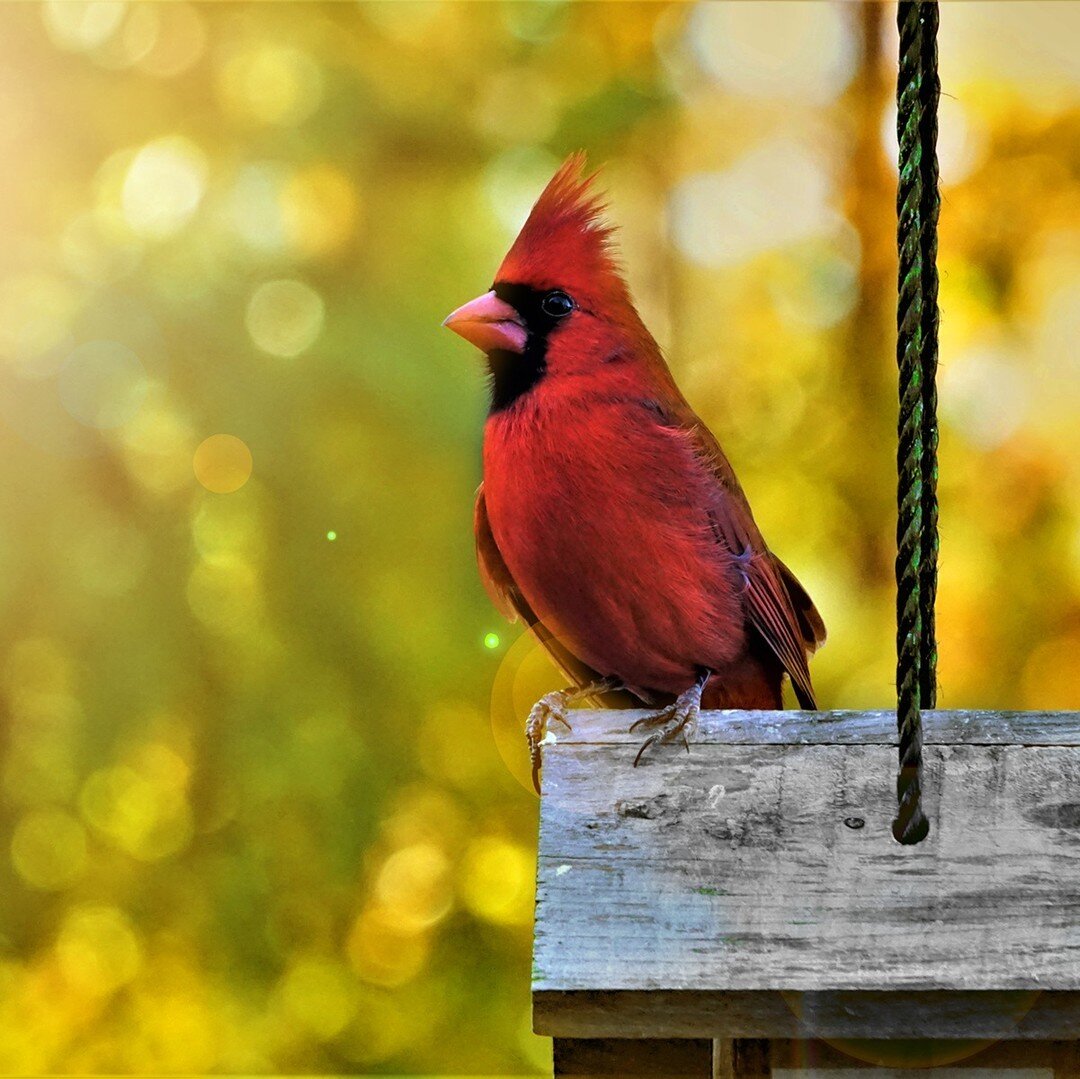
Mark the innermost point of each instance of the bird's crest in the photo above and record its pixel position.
(566, 242)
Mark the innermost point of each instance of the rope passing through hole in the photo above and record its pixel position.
(917, 203)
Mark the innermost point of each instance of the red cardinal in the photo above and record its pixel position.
(609, 519)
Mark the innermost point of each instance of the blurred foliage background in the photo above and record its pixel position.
(258, 809)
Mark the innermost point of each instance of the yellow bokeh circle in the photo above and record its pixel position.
(385, 951)
(48, 849)
(525, 673)
(497, 878)
(413, 884)
(320, 994)
(284, 317)
(223, 463)
(97, 949)
(319, 208)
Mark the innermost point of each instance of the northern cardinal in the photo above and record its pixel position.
(609, 519)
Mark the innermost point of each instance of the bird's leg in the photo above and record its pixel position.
(679, 717)
(552, 708)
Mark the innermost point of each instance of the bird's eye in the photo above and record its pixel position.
(556, 304)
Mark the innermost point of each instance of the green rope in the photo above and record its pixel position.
(928, 567)
(917, 201)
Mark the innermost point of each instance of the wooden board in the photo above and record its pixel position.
(633, 1058)
(754, 885)
(949, 1060)
(734, 727)
(630, 1058)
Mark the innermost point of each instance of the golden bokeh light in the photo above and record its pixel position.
(48, 849)
(414, 885)
(379, 1029)
(271, 84)
(511, 180)
(319, 993)
(320, 209)
(163, 186)
(384, 952)
(777, 194)
(448, 748)
(787, 50)
(284, 317)
(223, 463)
(223, 593)
(131, 42)
(148, 819)
(82, 25)
(179, 38)
(253, 206)
(97, 950)
(176, 1024)
(157, 446)
(496, 881)
(1051, 679)
(224, 528)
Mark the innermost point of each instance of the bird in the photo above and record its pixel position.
(608, 518)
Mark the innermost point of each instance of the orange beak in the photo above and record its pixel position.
(489, 323)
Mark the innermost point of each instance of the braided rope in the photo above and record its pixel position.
(917, 93)
(928, 130)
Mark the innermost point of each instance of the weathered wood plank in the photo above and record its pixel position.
(774, 867)
(755, 864)
(951, 1060)
(972, 727)
(742, 1058)
(802, 1016)
(1065, 1060)
(879, 1059)
(630, 1058)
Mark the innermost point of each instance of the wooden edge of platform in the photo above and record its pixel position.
(1006, 1015)
(736, 727)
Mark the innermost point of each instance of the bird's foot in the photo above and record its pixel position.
(678, 718)
(552, 708)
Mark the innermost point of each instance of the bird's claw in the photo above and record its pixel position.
(550, 708)
(652, 740)
(675, 720)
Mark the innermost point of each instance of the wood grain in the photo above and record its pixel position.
(632, 1058)
(734, 727)
(754, 887)
(774, 1014)
(742, 1058)
(951, 1060)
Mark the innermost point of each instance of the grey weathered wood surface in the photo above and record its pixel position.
(752, 888)
(733, 727)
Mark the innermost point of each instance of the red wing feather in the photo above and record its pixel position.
(778, 607)
(494, 574)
